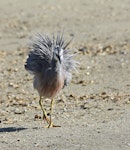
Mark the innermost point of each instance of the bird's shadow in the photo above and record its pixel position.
(12, 129)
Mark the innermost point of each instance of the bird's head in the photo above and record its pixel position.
(58, 54)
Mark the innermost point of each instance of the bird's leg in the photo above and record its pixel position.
(43, 110)
(51, 124)
(52, 103)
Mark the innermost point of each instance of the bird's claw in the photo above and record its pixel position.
(52, 125)
(49, 122)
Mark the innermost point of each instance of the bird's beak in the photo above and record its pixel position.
(59, 58)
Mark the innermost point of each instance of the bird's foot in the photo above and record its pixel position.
(52, 125)
(49, 122)
(46, 119)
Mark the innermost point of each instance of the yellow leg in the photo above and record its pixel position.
(52, 103)
(43, 110)
(51, 124)
(49, 121)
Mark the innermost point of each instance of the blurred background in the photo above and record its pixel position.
(94, 109)
(87, 21)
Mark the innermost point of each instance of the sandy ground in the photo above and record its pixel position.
(94, 111)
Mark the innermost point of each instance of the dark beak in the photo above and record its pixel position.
(59, 58)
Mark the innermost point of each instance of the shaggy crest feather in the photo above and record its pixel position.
(41, 55)
(51, 63)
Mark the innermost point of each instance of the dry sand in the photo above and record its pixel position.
(94, 111)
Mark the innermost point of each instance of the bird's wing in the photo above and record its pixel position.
(40, 55)
(68, 65)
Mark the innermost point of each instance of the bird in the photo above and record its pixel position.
(51, 62)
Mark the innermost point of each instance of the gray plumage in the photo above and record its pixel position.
(50, 60)
(51, 63)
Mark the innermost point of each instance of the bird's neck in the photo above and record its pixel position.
(56, 67)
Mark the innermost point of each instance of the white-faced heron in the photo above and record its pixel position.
(51, 63)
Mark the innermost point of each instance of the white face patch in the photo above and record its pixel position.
(61, 54)
(58, 51)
